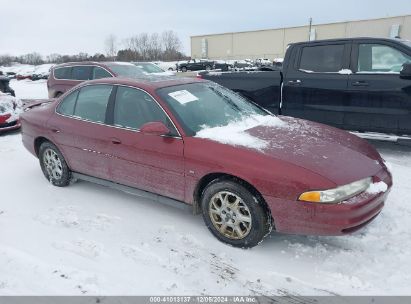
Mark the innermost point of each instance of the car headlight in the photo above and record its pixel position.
(338, 194)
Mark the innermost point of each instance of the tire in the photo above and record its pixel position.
(208, 68)
(170, 69)
(183, 69)
(58, 94)
(245, 232)
(53, 165)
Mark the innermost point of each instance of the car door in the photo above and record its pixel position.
(148, 162)
(315, 83)
(379, 99)
(80, 127)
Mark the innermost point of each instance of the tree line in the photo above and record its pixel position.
(165, 46)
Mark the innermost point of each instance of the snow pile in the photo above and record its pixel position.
(342, 72)
(377, 188)
(235, 133)
(27, 89)
(28, 69)
(10, 105)
(345, 72)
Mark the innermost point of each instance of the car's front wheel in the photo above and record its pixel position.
(234, 215)
(53, 165)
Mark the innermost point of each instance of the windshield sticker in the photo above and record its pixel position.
(183, 96)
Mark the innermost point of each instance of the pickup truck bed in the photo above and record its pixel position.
(264, 88)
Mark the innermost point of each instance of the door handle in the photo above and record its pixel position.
(294, 82)
(360, 83)
(55, 130)
(115, 141)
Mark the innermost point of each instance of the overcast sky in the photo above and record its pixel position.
(73, 26)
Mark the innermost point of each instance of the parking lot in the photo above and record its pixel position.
(88, 239)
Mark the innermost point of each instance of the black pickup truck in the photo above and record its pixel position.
(359, 84)
(196, 65)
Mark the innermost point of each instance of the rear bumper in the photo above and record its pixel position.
(10, 126)
(297, 217)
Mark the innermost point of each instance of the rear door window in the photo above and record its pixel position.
(92, 103)
(99, 73)
(62, 73)
(322, 58)
(81, 72)
(133, 108)
(66, 107)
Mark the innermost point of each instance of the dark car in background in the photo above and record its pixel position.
(65, 76)
(4, 85)
(222, 65)
(196, 65)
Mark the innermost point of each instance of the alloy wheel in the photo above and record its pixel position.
(53, 165)
(230, 215)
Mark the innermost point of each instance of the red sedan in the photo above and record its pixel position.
(192, 141)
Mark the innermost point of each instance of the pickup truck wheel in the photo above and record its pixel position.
(208, 68)
(234, 215)
(53, 165)
(184, 69)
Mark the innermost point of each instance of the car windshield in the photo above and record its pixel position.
(126, 70)
(207, 105)
(148, 67)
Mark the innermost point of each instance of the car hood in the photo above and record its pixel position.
(335, 154)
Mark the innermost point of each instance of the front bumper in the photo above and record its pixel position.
(14, 125)
(305, 218)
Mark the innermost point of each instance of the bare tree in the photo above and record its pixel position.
(155, 48)
(111, 46)
(6, 60)
(171, 45)
(31, 58)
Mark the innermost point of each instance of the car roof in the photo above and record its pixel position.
(105, 64)
(347, 39)
(147, 83)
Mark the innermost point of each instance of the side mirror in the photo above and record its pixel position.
(154, 128)
(406, 70)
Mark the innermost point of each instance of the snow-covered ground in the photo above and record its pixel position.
(88, 239)
(27, 89)
(27, 69)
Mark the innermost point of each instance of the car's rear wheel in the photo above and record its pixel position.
(184, 69)
(208, 68)
(53, 165)
(234, 214)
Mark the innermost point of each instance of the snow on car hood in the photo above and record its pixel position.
(330, 152)
(235, 133)
(10, 105)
